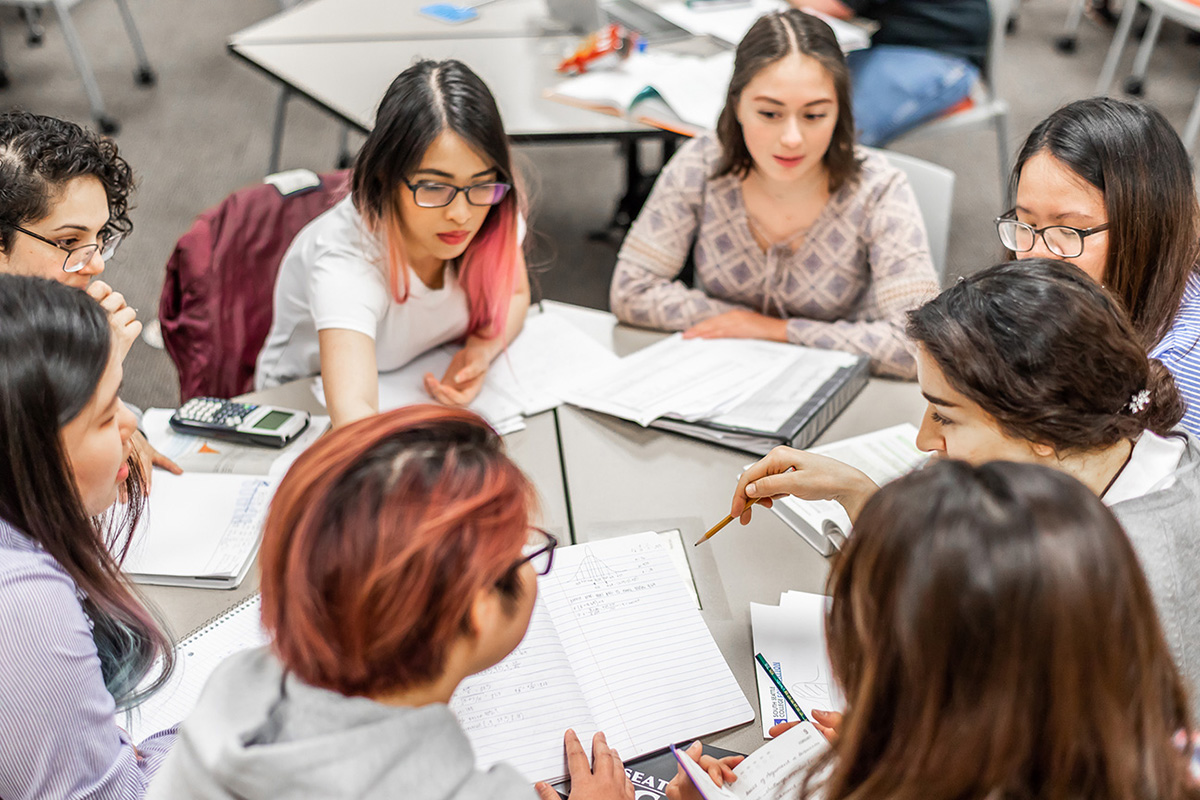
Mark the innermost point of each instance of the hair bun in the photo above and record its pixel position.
(1163, 407)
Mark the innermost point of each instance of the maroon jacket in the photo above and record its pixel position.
(216, 302)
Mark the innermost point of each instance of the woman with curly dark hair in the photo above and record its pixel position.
(64, 210)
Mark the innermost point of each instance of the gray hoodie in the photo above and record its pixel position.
(1164, 527)
(253, 737)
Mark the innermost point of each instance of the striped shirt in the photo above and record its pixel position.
(57, 734)
(845, 283)
(1179, 351)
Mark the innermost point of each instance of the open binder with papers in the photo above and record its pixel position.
(883, 455)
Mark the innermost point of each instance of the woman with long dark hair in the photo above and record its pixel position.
(425, 250)
(796, 235)
(76, 644)
(994, 637)
(1033, 361)
(1107, 185)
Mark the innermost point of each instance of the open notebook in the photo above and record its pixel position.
(615, 644)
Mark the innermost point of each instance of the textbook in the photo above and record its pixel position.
(615, 645)
(196, 656)
(883, 455)
(774, 771)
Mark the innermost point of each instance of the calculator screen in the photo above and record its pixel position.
(272, 420)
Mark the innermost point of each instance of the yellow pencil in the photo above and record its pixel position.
(716, 528)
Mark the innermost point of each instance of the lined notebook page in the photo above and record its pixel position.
(648, 665)
(517, 711)
(196, 657)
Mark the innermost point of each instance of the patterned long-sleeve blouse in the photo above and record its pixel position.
(843, 284)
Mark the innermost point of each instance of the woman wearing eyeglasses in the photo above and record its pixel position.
(426, 250)
(64, 210)
(1107, 186)
(397, 560)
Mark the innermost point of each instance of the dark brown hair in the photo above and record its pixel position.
(378, 540)
(1049, 353)
(995, 637)
(1134, 157)
(770, 39)
(39, 155)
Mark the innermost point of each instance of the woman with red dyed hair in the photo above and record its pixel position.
(425, 250)
(394, 565)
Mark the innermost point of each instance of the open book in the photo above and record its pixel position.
(883, 455)
(774, 771)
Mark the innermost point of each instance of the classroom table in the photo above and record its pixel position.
(582, 465)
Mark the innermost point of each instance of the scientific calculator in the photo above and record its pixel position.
(247, 423)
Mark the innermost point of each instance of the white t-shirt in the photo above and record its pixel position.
(334, 276)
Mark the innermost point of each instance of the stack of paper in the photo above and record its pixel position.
(774, 771)
(883, 455)
(533, 373)
(791, 637)
(695, 379)
(693, 88)
(202, 528)
(730, 23)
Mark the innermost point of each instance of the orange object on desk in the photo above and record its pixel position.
(611, 41)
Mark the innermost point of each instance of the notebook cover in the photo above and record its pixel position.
(651, 774)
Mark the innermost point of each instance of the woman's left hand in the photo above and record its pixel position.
(739, 324)
(464, 377)
(149, 458)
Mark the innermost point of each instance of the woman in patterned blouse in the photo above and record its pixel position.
(795, 234)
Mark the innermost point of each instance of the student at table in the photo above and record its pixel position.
(923, 60)
(75, 640)
(64, 211)
(426, 250)
(1034, 361)
(796, 235)
(1107, 185)
(394, 565)
(994, 637)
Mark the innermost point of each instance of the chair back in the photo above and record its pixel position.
(1000, 12)
(218, 296)
(934, 189)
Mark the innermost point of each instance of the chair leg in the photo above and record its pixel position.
(75, 48)
(1001, 124)
(1113, 59)
(344, 157)
(1136, 81)
(145, 73)
(277, 132)
(1070, 35)
(4, 80)
(1192, 128)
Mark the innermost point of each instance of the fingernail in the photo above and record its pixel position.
(751, 489)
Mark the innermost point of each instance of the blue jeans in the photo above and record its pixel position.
(896, 88)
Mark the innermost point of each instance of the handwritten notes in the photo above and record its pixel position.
(616, 644)
(774, 771)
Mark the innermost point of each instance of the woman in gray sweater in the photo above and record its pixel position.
(1032, 361)
(397, 560)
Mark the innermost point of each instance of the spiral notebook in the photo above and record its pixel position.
(196, 656)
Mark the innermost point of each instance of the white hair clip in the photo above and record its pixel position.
(1139, 401)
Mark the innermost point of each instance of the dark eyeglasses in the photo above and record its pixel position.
(437, 195)
(1062, 240)
(77, 257)
(539, 551)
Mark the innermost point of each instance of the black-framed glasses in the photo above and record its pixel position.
(437, 195)
(1062, 240)
(539, 551)
(77, 257)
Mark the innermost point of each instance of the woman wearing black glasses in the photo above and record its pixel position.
(426, 250)
(397, 560)
(1107, 186)
(64, 210)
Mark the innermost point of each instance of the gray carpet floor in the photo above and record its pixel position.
(204, 131)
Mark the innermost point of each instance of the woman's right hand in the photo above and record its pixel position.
(123, 319)
(605, 779)
(787, 471)
(827, 722)
(719, 769)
